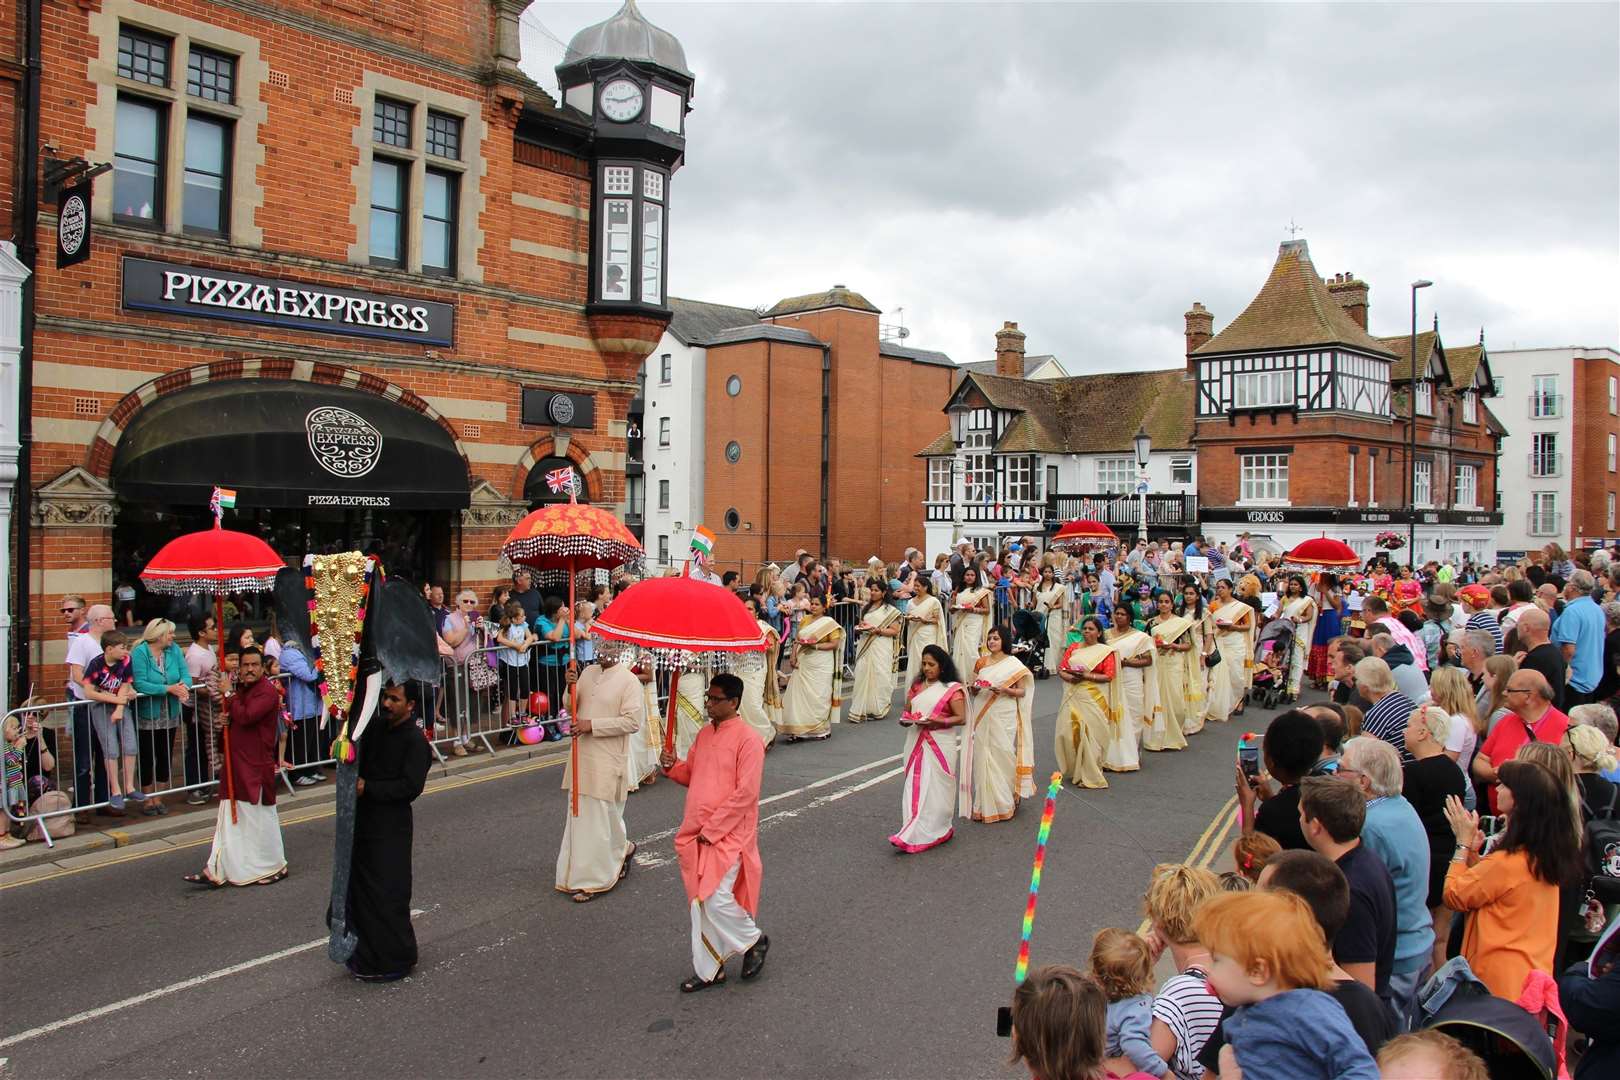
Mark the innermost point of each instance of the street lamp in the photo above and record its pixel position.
(1411, 439)
(958, 437)
(1144, 446)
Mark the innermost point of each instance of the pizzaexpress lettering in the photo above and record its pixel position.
(291, 302)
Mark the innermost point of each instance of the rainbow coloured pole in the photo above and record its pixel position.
(1022, 969)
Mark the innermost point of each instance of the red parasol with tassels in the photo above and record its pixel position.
(1322, 553)
(681, 622)
(570, 537)
(216, 561)
(1083, 536)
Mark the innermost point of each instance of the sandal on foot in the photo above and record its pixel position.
(273, 878)
(694, 984)
(583, 897)
(754, 958)
(628, 857)
(203, 879)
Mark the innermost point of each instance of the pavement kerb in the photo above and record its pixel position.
(184, 828)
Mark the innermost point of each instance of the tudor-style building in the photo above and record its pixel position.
(348, 260)
(1301, 423)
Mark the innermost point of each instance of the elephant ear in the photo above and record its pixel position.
(292, 607)
(400, 627)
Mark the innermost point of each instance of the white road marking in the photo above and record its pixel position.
(164, 991)
(650, 861)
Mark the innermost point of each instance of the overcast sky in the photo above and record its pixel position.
(1089, 170)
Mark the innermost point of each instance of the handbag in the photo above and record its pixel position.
(1213, 658)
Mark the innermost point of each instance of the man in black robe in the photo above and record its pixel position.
(394, 759)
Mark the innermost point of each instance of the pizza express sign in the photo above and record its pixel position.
(225, 294)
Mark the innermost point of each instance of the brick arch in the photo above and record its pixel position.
(545, 447)
(100, 456)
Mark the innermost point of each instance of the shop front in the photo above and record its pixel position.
(314, 468)
(1438, 535)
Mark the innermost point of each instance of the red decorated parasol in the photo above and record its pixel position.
(1083, 536)
(569, 537)
(1322, 553)
(216, 561)
(681, 622)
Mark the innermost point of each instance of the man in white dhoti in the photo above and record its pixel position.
(247, 833)
(718, 841)
(595, 852)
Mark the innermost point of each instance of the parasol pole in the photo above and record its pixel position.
(219, 661)
(573, 687)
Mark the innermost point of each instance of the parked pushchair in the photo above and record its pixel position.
(1273, 654)
(1029, 640)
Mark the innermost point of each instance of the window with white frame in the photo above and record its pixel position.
(1116, 476)
(1544, 399)
(1611, 452)
(1610, 514)
(663, 431)
(1544, 457)
(1614, 399)
(977, 438)
(1422, 483)
(1425, 397)
(1181, 470)
(1471, 407)
(665, 370)
(1543, 513)
(939, 480)
(1263, 478)
(1259, 389)
(1023, 473)
(1467, 488)
(1352, 457)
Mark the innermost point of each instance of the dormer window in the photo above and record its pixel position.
(1470, 408)
(1425, 398)
(1262, 389)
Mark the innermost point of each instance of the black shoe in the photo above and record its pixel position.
(754, 958)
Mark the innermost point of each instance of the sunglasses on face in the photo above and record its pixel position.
(712, 697)
(70, 611)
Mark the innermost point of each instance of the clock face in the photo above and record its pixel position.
(621, 100)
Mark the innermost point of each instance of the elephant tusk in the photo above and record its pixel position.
(368, 705)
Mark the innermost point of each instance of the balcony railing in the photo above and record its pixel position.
(1546, 406)
(1167, 511)
(1544, 524)
(1003, 513)
(1546, 464)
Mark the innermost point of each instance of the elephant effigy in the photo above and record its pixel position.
(364, 631)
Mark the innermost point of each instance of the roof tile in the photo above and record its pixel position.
(1293, 309)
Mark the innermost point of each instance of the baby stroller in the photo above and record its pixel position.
(1272, 655)
(1029, 640)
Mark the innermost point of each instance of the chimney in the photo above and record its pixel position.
(1351, 295)
(1200, 328)
(1010, 351)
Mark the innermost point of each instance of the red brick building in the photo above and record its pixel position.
(349, 261)
(816, 448)
(1301, 422)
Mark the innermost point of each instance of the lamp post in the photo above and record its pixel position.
(958, 437)
(1144, 446)
(1411, 439)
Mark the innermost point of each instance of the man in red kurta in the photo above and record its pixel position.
(247, 838)
(718, 841)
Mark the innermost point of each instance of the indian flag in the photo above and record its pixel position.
(702, 541)
(226, 497)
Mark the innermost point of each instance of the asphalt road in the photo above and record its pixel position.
(882, 965)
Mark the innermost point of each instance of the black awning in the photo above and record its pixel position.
(288, 444)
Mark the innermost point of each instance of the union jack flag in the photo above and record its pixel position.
(560, 480)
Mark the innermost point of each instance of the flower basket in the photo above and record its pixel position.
(1389, 541)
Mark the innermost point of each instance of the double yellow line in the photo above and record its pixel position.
(293, 819)
(1210, 844)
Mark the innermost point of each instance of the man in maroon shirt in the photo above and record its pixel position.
(247, 833)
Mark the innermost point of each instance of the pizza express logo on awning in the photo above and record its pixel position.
(294, 303)
(344, 443)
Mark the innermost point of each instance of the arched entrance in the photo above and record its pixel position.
(537, 493)
(315, 467)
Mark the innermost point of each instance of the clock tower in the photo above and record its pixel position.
(628, 79)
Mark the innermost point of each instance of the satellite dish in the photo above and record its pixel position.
(902, 333)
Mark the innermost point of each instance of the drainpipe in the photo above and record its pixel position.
(765, 545)
(826, 438)
(28, 255)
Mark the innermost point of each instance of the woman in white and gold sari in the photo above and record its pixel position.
(997, 757)
(811, 702)
(972, 617)
(762, 701)
(876, 650)
(1298, 607)
(925, 616)
(1138, 697)
(935, 707)
(1052, 603)
(1090, 706)
(690, 714)
(1177, 667)
(641, 760)
(1234, 630)
(1203, 639)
